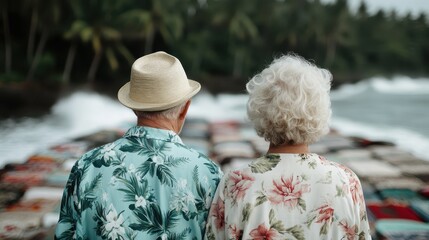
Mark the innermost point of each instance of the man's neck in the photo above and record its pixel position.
(160, 123)
(285, 148)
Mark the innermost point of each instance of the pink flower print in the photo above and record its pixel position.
(355, 190)
(239, 183)
(350, 231)
(288, 191)
(347, 170)
(323, 160)
(218, 212)
(325, 214)
(263, 233)
(234, 232)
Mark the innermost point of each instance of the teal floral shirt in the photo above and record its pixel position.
(145, 185)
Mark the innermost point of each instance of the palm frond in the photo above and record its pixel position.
(147, 167)
(165, 175)
(153, 147)
(119, 158)
(195, 176)
(130, 148)
(170, 219)
(99, 211)
(179, 236)
(130, 234)
(175, 162)
(68, 234)
(125, 53)
(94, 183)
(88, 192)
(120, 171)
(133, 145)
(131, 189)
(149, 219)
(111, 58)
(212, 168)
(67, 210)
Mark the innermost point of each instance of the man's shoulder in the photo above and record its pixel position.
(195, 155)
(100, 151)
(199, 159)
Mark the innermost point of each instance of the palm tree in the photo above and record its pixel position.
(236, 17)
(336, 29)
(96, 23)
(33, 6)
(69, 60)
(48, 22)
(7, 42)
(156, 16)
(194, 47)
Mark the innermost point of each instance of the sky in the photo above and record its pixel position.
(402, 7)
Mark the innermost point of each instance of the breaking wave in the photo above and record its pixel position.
(399, 85)
(86, 112)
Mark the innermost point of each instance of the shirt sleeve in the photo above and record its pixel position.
(66, 227)
(359, 220)
(215, 228)
(361, 215)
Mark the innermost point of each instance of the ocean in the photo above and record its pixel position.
(394, 110)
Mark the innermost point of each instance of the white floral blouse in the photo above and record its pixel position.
(289, 196)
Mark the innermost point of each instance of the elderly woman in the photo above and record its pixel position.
(290, 193)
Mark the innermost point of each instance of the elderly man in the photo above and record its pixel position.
(147, 184)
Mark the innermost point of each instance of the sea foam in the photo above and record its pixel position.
(86, 112)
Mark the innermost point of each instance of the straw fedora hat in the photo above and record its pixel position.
(158, 82)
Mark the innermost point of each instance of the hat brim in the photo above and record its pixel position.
(124, 93)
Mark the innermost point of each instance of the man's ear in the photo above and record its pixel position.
(184, 111)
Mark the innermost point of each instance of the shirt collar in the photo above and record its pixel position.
(153, 133)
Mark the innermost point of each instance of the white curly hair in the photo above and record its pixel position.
(289, 101)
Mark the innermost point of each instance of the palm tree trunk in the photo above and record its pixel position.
(149, 40)
(238, 64)
(69, 63)
(94, 66)
(32, 34)
(330, 52)
(39, 51)
(7, 42)
(196, 62)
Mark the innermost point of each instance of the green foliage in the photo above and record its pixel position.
(265, 163)
(88, 194)
(152, 220)
(246, 212)
(11, 77)
(214, 39)
(133, 188)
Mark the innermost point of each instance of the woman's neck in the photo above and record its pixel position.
(286, 148)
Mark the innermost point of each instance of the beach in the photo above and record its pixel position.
(388, 157)
(395, 182)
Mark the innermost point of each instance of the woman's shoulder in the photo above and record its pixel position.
(271, 165)
(339, 169)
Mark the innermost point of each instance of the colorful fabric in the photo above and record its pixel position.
(146, 185)
(393, 210)
(400, 229)
(289, 196)
(421, 207)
